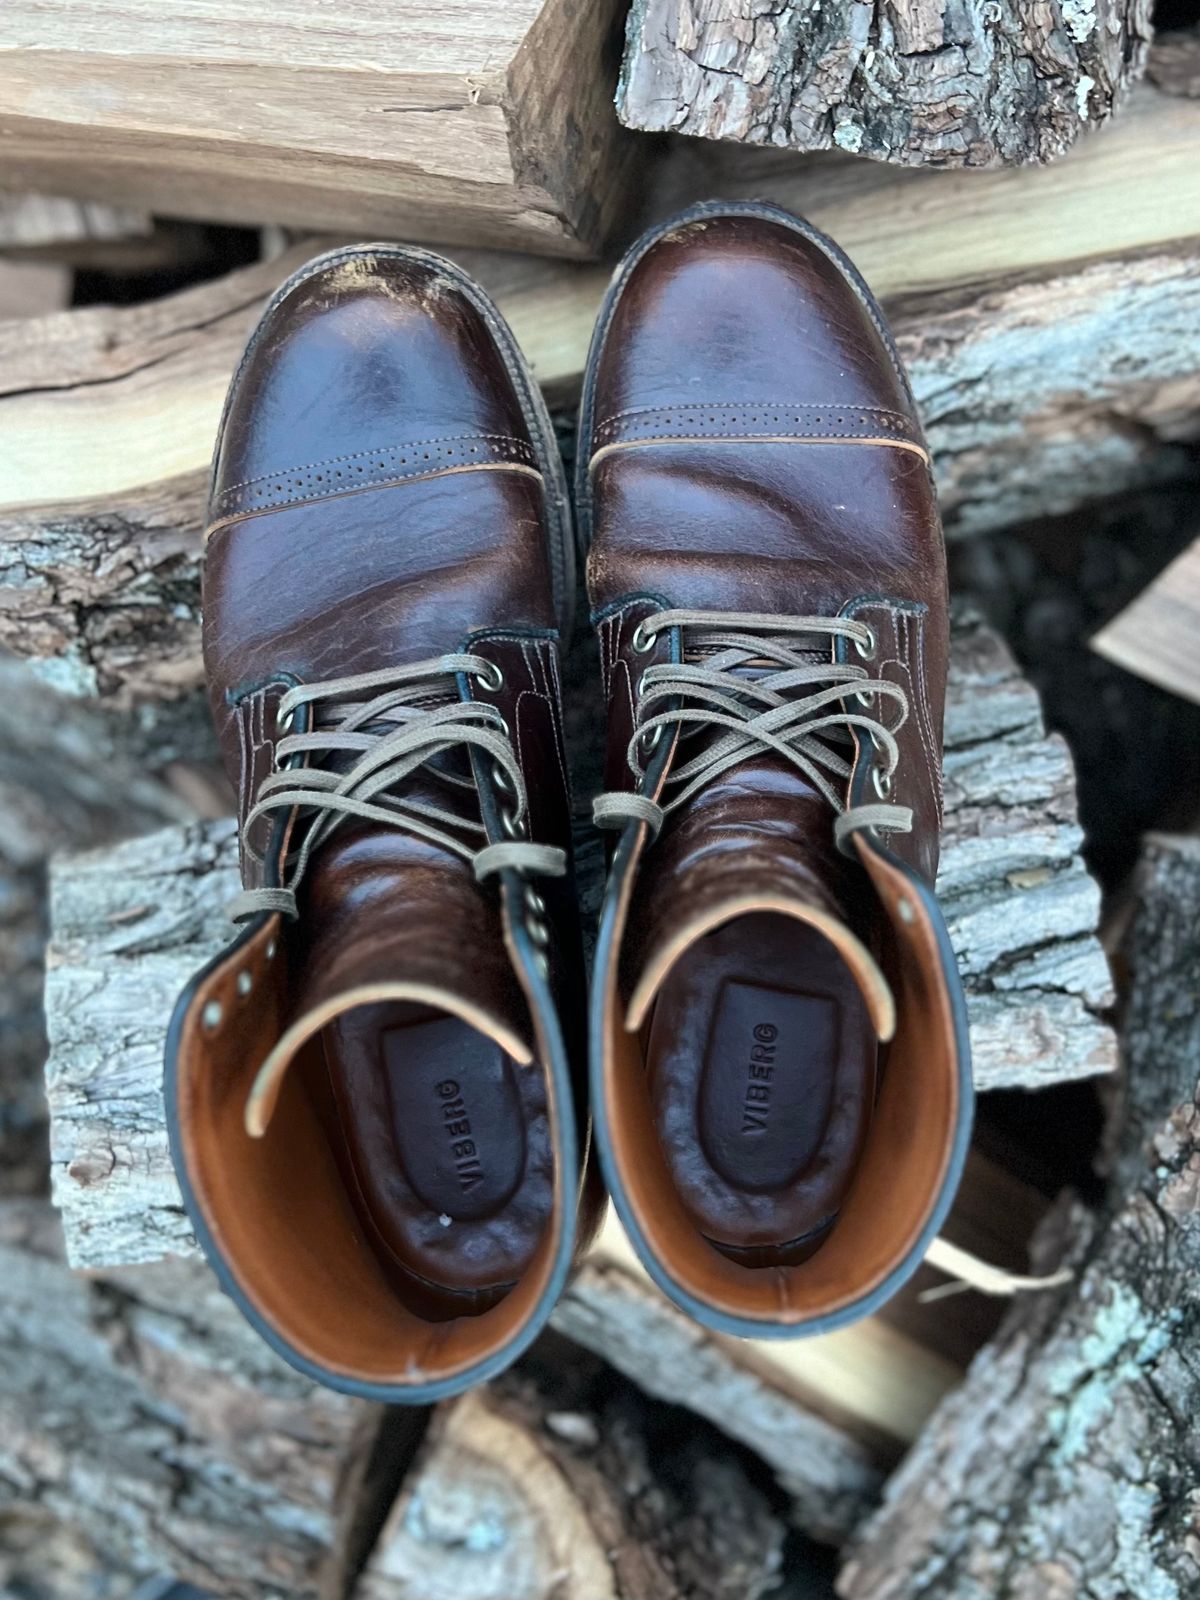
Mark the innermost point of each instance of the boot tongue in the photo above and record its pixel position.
(759, 837)
(386, 916)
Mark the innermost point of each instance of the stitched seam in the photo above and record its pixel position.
(363, 455)
(227, 517)
(556, 720)
(913, 689)
(925, 715)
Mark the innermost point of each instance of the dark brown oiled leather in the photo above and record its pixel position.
(385, 493)
(750, 445)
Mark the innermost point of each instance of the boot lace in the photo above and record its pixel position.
(754, 680)
(392, 723)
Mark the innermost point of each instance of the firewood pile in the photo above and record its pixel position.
(162, 170)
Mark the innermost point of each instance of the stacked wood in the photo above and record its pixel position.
(1054, 364)
(144, 1428)
(132, 922)
(490, 123)
(922, 84)
(559, 1483)
(1075, 1433)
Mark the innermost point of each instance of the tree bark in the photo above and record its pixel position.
(917, 84)
(499, 132)
(1067, 1463)
(144, 1428)
(561, 1482)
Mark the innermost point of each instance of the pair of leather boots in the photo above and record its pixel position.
(378, 1094)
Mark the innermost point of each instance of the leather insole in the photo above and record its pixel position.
(445, 1145)
(762, 1062)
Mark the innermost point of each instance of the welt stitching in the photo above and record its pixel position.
(360, 455)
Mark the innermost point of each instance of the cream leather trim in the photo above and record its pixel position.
(750, 438)
(876, 992)
(264, 1092)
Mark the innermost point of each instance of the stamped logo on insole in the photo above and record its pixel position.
(761, 1071)
(766, 1087)
(456, 1116)
(463, 1149)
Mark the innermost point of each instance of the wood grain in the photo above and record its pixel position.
(1158, 636)
(488, 121)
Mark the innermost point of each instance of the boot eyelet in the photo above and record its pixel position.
(538, 932)
(245, 982)
(502, 780)
(644, 639)
(867, 649)
(510, 824)
(534, 901)
(655, 739)
(283, 719)
(491, 677)
(541, 963)
(212, 1014)
(881, 782)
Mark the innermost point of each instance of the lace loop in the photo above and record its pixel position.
(753, 682)
(394, 722)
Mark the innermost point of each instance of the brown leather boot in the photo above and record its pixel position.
(369, 1097)
(780, 1074)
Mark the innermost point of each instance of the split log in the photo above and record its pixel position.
(921, 85)
(144, 1424)
(559, 1482)
(1076, 1431)
(54, 226)
(486, 124)
(33, 288)
(1038, 396)
(1158, 634)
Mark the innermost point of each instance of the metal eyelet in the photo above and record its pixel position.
(245, 982)
(643, 640)
(881, 782)
(867, 650)
(491, 677)
(212, 1014)
(534, 902)
(541, 963)
(655, 738)
(510, 824)
(283, 720)
(538, 932)
(502, 780)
